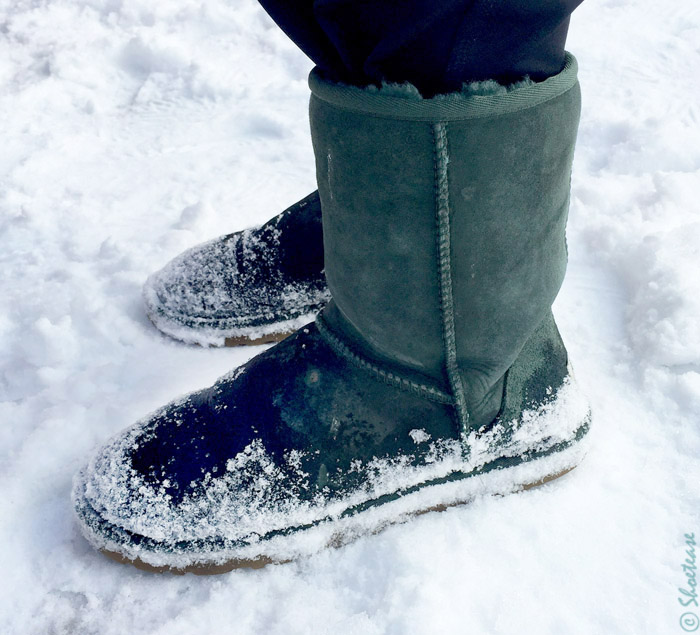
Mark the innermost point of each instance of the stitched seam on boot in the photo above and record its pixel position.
(442, 204)
(389, 377)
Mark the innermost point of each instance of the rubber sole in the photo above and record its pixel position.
(270, 338)
(229, 342)
(336, 541)
(205, 337)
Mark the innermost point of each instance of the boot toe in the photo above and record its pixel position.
(230, 288)
(254, 286)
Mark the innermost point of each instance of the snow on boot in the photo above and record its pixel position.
(251, 287)
(435, 375)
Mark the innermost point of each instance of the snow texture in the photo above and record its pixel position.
(131, 132)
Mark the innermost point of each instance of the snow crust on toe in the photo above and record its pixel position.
(214, 291)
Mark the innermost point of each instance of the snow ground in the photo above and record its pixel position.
(130, 132)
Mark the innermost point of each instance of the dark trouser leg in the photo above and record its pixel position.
(435, 44)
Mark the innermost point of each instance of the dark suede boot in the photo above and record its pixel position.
(252, 287)
(435, 375)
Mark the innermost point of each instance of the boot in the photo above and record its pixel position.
(252, 287)
(436, 373)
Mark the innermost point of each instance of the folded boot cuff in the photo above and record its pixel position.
(451, 107)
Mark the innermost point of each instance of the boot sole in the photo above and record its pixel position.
(212, 337)
(270, 338)
(336, 541)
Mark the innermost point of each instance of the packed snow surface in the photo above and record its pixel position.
(132, 131)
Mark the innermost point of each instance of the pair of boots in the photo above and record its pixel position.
(434, 373)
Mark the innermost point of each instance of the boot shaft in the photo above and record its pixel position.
(444, 224)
